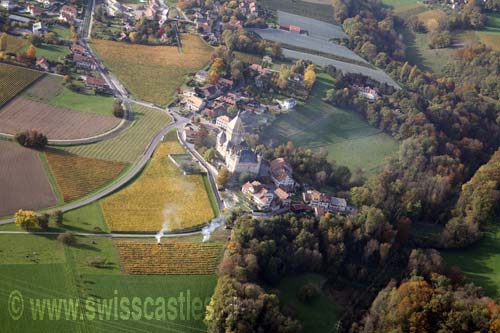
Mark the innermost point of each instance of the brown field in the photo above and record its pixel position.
(77, 176)
(57, 123)
(153, 73)
(431, 18)
(23, 182)
(169, 257)
(15, 44)
(13, 80)
(46, 88)
(491, 39)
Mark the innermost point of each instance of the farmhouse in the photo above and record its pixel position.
(230, 145)
(194, 103)
(68, 14)
(281, 174)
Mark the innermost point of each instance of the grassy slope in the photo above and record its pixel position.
(60, 96)
(153, 73)
(160, 195)
(321, 315)
(61, 32)
(51, 52)
(491, 34)
(480, 262)
(129, 144)
(345, 135)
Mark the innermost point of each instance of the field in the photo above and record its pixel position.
(321, 315)
(480, 262)
(405, 8)
(315, 28)
(375, 74)
(15, 44)
(50, 90)
(173, 258)
(310, 43)
(13, 80)
(57, 123)
(22, 180)
(314, 9)
(77, 176)
(40, 267)
(491, 34)
(345, 135)
(161, 197)
(153, 73)
(130, 143)
(61, 32)
(51, 52)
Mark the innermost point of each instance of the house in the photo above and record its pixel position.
(207, 91)
(222, 122)
(288, 103)
(229, 99)
(68, 14)
(194, 103)
(283, 196)
(34, 10)
(84, 62)
(43, 64)
(191, 134)
(39, 29)
(114, 8)
(368, 93)
(97, 83)
(8, 4)
(46, 3)
(225, 83)
(201, 76)
(323, 203)
(78, 49)
(215, 110)
(267, 59)
(18, 18)
(281, 174)
(259, 194)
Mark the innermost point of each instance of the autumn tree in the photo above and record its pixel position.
(310, 76)
(223, 178)
(26, 219)
(218, 66)
(213, 77)
(3, 42)
(31, 53)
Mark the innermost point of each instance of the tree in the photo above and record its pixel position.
(209, 154)
(31, 139)
(223, 178)
(67, 79)
(67, 238)
(310, 76)
(213, 77)
(118, 111)
(43, 221)
(26, 219)
(218, 66)
(3, 42)
(49, 37)
(31, 53)
(58, 217)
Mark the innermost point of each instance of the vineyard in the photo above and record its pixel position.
(77, 176)
(169, 257)
(13, 80)
(129, 144)
(161, 195)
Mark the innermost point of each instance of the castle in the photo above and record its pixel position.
(232, 147)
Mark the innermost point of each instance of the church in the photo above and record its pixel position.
(238, 157)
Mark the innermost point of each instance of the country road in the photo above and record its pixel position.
(110, 235)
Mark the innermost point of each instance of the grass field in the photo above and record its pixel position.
(405, 8)
(15, 44)
(153, 73)
(321, 315)
(41, 267)
(130, 143)
(161, 196)
(77, 176)
(61, 32)
(13, 80)
(431, 18)
(313, 9)
(345, 135)
(51, 52)
(491, 34)
(480, 262)
(50, 90)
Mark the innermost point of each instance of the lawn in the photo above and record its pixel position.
(51, 52)
(431, 18)
(129, 145)
(321, 314)
(161, 197)
(345, 135)
(405, 8)
(480, 262)
(153, 73)
(77, 176)
(314, 10)
(50, 90)
(61, 32)
(15, 44)
(13, 80)
(491, 34)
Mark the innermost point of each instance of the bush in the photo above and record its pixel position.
(43, 221)
(308, 293)
(67, 238)
(118, 109)
(31, 139)
(26, 219)
(58, 217)
(99, 263)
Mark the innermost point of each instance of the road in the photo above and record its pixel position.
(110, 235)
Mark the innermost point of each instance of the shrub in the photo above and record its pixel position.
(307, 293)
(26, 219)
(31, 139)
(67, 238)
